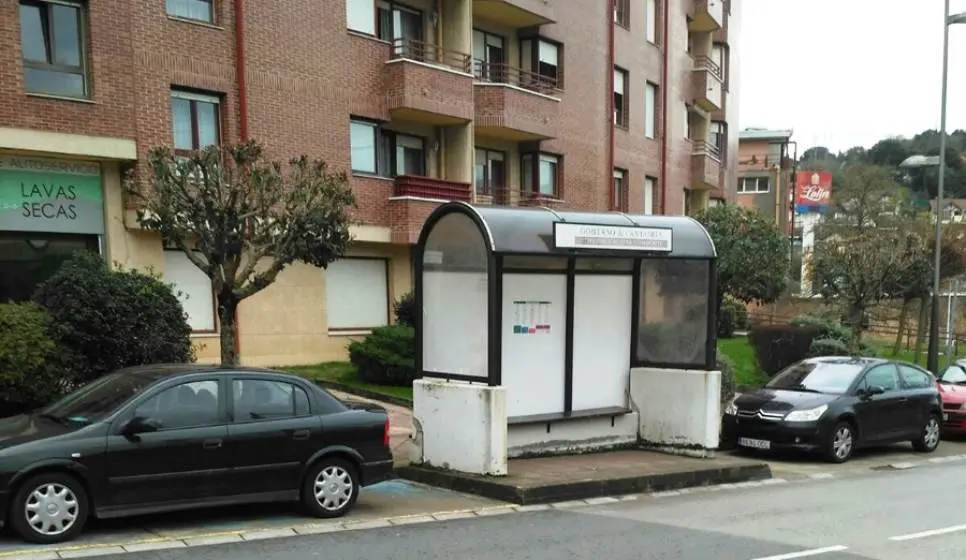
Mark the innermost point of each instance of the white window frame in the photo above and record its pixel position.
(193, 289)
(650, 21)
(743, 185)
(360, 16)
(368, 294)
(650, 185)
(650, 110)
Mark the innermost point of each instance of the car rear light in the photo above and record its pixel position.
(385, 434)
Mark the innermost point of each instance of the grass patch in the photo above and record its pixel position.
(739, 351)
(345, 373)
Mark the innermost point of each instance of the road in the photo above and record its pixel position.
(894, 515)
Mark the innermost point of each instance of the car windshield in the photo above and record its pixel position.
(98, 398)
(954, 375)
(817, 377)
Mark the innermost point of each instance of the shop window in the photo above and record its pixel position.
(29, 259)
(54, 48)
(193, 288)
(357, 294)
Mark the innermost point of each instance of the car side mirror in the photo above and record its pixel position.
(876, 390)
(140, 425)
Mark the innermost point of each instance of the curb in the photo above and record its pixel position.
(365, 393)
(494, 488)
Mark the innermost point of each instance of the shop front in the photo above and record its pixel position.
(49, 209)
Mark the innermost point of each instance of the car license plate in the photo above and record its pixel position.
(754, 443)
(945, 416)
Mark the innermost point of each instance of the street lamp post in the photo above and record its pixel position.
(933, 351)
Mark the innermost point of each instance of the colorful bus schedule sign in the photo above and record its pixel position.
(531, 317)
(51, 196)
(612, 238)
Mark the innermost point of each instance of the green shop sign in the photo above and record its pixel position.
(52, 196)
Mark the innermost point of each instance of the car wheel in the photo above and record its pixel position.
(49, 508)
(929, 435)
(841, 443)
(331, 488)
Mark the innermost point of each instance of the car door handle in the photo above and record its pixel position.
(212, 444)
(301, 434)
(903, 399)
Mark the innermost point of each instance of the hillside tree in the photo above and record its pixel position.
(242, 219)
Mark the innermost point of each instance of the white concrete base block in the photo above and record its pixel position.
(680, 410)
(572, 435)
(460, 426)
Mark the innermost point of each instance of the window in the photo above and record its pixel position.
(753, 185)
(650, 110)
(541, 173)
(258, 399)
(489, 56)
(620, 189)
(53, 48)
(29, 259)
(824, 377)
(672, 317)
(650, 20)
(881, 376)
(717, 136)
(650, 185)
(541, 58)
(189, 405)
(360, 15)
(377, 151)
(954, 374)
(914, 378)
(193, 288)
(490, 172)
(719, 56)
(622, 13)
(357, 294)
(403, 27)
(195, 120)
(621, 82)
(201, 10)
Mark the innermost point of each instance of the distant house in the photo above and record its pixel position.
(954, 209)
(764, 173)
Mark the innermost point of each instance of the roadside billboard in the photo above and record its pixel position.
(813, 191)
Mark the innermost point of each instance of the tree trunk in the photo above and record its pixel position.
(903, 320)
(923, 323)
(227, 316)
(856, 314)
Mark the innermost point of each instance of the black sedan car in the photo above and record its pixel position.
(833, 405)
(170, 437)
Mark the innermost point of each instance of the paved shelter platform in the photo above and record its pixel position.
(592, 475)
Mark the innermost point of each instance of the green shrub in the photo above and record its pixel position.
(32, 370)
(405, 310)
(779, 346)
(387, 356)
(827, 328)
(828, 347)
(733, 317)
(109, 319)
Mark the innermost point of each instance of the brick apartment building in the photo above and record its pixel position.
(584, 104)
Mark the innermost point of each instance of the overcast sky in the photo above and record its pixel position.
(843, 73)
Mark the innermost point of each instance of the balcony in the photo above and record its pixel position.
(705, 166)
(513, 104)
(515, 14)
(709, 16)
(708, 89)
(414, 199)
(428, 187)
(428, 84)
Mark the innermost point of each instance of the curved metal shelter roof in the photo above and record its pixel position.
(509, 230)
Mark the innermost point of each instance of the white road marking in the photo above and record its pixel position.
(805, 553)
(931, 533)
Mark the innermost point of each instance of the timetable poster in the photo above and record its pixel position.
(531, 317)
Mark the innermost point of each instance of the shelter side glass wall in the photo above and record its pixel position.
(455, 279)
(673, 312)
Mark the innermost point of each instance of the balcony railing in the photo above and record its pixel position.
(705, 63)
(706, 148)
(420, 51)
(428, 187)
(502, 73)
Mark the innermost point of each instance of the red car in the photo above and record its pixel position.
(952, 391)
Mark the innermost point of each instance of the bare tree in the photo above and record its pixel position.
(242, 219)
